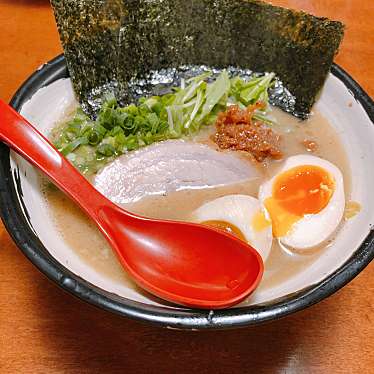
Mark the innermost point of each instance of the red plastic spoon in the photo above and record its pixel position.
(184, 263)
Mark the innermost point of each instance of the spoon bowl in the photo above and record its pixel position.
(185, 263)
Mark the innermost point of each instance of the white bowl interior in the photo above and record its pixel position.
(336, 103)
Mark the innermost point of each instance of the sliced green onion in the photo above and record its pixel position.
(90, 144)
(73, 145)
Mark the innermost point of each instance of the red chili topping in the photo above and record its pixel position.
(236, 129)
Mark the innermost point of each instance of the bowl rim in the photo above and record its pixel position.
(16, 223)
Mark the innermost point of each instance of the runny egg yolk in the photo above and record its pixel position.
(299, 191)
(226, 226)
(260, 222)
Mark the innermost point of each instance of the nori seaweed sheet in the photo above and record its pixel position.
(108, 42)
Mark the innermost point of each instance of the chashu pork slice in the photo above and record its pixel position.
(169, 166)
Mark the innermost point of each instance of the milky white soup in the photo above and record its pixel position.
(83, 237)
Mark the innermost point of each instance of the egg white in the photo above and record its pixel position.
(238, 210)
(313, 229)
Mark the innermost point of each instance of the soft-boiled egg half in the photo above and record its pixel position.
(305, 201)
(240, 215)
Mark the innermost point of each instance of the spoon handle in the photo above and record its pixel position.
(22, 137)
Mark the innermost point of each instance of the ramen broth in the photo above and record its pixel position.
(84, 238)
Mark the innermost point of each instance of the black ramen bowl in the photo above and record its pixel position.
(342, 98)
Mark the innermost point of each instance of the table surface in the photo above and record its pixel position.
(45, 330)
